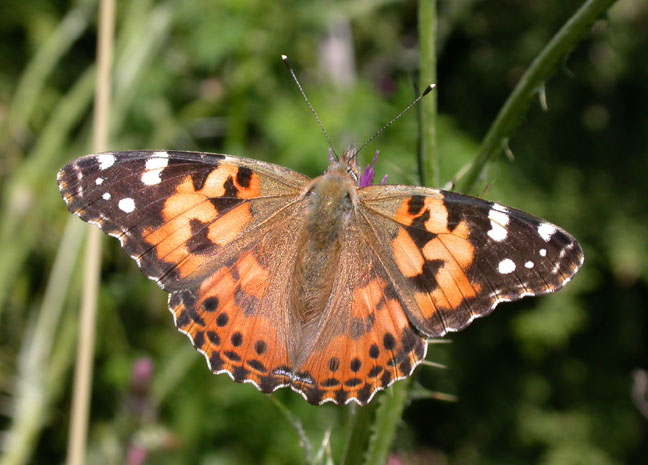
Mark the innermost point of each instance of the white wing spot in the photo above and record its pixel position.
(106, 160)
(498, 221)
(151, 178)
(529, 264)
(154, 167)
(543, 252)
(506, 266)
(106, 196)
(546, 230)
(99, 181)
(126, 205)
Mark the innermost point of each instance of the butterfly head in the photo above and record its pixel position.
(347, 165)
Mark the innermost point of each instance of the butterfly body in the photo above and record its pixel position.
(328, 286)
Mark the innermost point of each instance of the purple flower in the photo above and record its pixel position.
(136, 455)
(141, 376)
(366, 179)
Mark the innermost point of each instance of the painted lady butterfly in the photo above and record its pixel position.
(329, 285)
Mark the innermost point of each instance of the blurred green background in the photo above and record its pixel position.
(552, 380)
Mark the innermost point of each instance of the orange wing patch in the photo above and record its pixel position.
(434, 255)
(222, 182)
(407, 255)
(378, 347)
(197, 219)
(413, 208)
(223, 321)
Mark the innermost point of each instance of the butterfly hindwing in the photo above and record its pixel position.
(362, 341)
(176, 213)
(239, 316)
(455, 257)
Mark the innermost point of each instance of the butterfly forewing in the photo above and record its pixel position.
(176, 213)
(455, 257)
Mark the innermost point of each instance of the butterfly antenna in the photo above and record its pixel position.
(409, 107)
(292, 73)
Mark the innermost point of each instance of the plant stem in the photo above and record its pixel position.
(360, 422)
(304, 443)
(428, 163)
(540, 70)
(388, 415)
(85, 351)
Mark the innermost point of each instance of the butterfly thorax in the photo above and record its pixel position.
(331, 200)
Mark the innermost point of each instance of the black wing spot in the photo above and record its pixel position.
(409, 340)
(199, 339)
(455, 215)
(215, 361)
(198, 178)
(259, 347)
(233, 356)
(353, 382)
(385, 378)
(330, 382)
(415, 204)
(183, 319)
(199, 241)
(243, 176)
(364, 393)
(210, 304)
(193, 314)
(174, 301)
(417, 231)
(222, 319)
(237, 339)
(240, 374)
(213, 338)
(268, 383)
(229, 199)
(257, 365)
(341, 396)
(188, 298)
(389, 343)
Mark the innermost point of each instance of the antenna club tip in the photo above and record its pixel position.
(428, 89)
(284, 57)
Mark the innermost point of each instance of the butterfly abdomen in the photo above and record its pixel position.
(328, 212)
